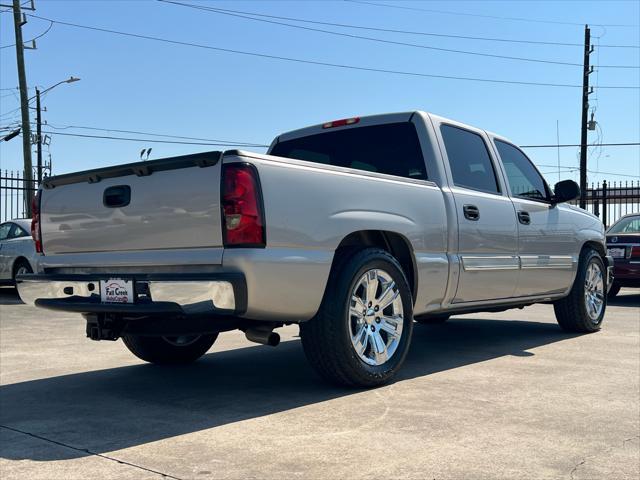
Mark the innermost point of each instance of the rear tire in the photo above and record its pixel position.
(169, 350)
(21, 267)
(353, 342)
(435, 319)
(583, 309)
(615, 289)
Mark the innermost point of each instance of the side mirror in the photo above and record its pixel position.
(565, 191)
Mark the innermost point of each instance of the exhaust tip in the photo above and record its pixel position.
(263, 337)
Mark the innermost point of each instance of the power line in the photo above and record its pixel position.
(136, 132)
(575, 169)
(10, 112)
(250, 144)
(372, 39)
(327, 64)
(410, 32)
(33, 39)
(622, 144)
(494, 17)
(148, 140)
(595, 172)
(10, 9)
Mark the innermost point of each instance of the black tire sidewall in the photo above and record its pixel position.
(156, 349)
(18, 264)
(592, 257)
(350, 274)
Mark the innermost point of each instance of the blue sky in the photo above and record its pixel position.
(148, 86)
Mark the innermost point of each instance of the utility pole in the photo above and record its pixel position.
(24, 107)
(585, 110)
(39, 134)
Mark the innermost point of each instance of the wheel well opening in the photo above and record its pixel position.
(598, 247)
(19, 261)
(394, 243)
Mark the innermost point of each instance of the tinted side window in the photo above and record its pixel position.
(524, 179)
(17, 232)
(392, 148)
(469, 159)
(4, 230)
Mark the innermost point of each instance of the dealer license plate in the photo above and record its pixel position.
(616, 252)
(116, 290)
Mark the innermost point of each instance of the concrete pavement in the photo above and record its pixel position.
(504, 395)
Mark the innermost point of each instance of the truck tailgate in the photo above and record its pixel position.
(171, 203)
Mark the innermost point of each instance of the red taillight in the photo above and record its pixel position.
(243, 222)
(35, 222)
(341, 123)
(635, 251)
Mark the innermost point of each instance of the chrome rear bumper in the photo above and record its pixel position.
(221, 293)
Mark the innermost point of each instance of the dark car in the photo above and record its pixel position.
(623, 244)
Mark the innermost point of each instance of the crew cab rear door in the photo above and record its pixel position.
(548, 247)
(487, 224)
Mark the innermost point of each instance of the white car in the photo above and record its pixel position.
(17, 250)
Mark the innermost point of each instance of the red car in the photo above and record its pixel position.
(623, 244)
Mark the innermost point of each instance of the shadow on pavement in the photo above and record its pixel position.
(112, 409)
(625, 299)
(9, 296)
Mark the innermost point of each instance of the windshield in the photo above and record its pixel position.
(627, 225)
(391, 148)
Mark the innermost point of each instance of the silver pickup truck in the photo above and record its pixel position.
(353, 229)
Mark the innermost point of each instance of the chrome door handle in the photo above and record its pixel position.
(471, 212)
(524, 217)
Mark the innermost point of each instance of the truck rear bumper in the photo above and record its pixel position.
(154, 294)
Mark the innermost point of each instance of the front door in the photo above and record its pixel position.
(487, 225)
(547, 244)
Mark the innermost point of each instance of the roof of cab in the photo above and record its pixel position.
(371, 120)
(363, 121)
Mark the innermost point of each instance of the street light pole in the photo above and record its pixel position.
(39, 120)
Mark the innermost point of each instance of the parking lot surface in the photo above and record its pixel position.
(505, 395)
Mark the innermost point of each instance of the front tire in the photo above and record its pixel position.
(583, 309)
(169, 350)
(362, 332)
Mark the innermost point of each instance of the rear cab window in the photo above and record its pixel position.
(469, 160)
(390, 148)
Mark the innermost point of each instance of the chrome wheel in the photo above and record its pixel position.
(182, 341)
(375, 317)
(22, 270)
(594, 292)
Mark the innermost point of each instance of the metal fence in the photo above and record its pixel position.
(13, 194)
(611, 200)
